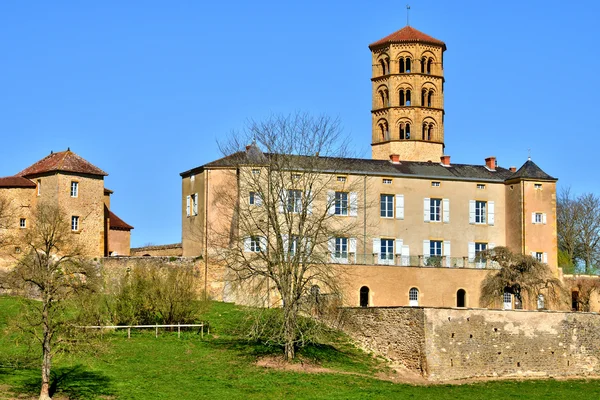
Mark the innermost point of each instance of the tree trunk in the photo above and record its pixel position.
(290, 317)
(46, 354)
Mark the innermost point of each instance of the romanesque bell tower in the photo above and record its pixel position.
(408, 96)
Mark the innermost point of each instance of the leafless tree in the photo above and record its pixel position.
(567, 217)
(588, 228)
(6, 213)
(521, 275)
(283, 227)
(53, 271)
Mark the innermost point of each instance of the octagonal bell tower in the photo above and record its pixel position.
(408, 96)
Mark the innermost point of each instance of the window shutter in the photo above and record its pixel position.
(446, 210)
(353, 204)
(263, 243)
(376, 246)
(398, 245)
(405, 255)
(187, 208)
(471, 251)
(331, 246)
(352, 246)
(471, 211)
(282, 198)
(247, 244)
(426, 211)
(257, 199)
(195, 204)
(545, 258)
(533, 254)
(426, 248)
(491, 246)
(447, 253)
(309, 202)
(399, 206)
(331, 202)
(544, 218)
(533, 218)
(491, 213)
(286, 246)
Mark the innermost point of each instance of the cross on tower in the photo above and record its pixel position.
(407, 14)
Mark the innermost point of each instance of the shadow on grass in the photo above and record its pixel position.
(74, 382)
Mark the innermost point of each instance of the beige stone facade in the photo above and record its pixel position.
(420, 220)
(77, 187)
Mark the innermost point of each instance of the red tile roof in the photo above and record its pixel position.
(65, 161)
(118, 223)
(16, 182)
(408, 34)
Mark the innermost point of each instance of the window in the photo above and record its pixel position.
(256, 172)
(74, 223)
(254, 244)
(387, 206)
(341, 179)
(296, 176)
(294, 201)
(387, 251)
(539, 256)
(537, 186)
(435, 184)
(254, 199)
(404, 65)
(413, 297)
(404, 97)
(74, 189)
(435, 248)
(479, 260)
(387, 181)
(23, 223)
(538, 218)
(341, 203)
(435, 207)
(480, 186)
(17, 250)
(480, 212)
(39, 187)
(192, 178)
(194, 200)
(405, 131)
(364, 296)
(461, 298)
(507, 301)
(341, 248)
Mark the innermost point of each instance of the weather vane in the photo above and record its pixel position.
(529, 154)
(407, 14)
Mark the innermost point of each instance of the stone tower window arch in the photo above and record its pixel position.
(428, 132)
(405, 64)
(384, 63)
(404, 130)
(384, 96)
(405, 95)
(384, 132)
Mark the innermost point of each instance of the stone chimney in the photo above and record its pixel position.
(445, 161)
(395, 158)
(490, 163)
(513, 169)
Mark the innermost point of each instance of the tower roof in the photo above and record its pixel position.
(65, 161)
(407, 34)
(530, 170)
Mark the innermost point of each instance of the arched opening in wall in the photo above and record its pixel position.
(404, 95)
(383, 130)
(429, 65)
(364, 296)
(541, 302)
(402, 99)
(404, 131)
(385, 66)
(429, 132)
(413, 297)
(430, 98)
(407, 65)
(408, 97)
(423, 97)
(423, 64)
(461, 298)
(575, 300)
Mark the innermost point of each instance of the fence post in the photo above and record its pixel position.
(128, 332)
(156, 326)
(178, 330)
(202, 332)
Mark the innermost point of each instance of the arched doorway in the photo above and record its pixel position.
(461, 298)
(364, 296)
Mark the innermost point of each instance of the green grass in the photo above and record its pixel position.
(222, 366)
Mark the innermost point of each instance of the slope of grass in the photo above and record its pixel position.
(222, 366)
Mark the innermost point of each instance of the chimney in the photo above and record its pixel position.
(395, 158)
(248, 147)
(513, 169)
(445, 161)
(490, 163)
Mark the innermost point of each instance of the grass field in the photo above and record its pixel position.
(223, 366)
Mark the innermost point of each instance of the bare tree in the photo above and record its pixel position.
(588, 228)
(585, 287)
(6, 213)
(283, 227)
(567, 218)
(53, 271)
(521, 275)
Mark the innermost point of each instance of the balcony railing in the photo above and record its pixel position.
(424, 261)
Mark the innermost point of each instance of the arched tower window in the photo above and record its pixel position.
(461, 298)
(364, 296)
(429, 65)
(404, 65)
(384, 98)
(430, 131)
(385, 66)
(413, 297)
(404, 97)
(383, 130)
(430, 99)
(405, 131)
(423, 97)
(423, 64)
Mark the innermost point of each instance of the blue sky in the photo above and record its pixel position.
(144, 89)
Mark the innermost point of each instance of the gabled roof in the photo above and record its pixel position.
(408, 34)
(64, 161)
(118, 223)
(530, 170)
(16, 182)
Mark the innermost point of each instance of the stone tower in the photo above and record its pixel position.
(408, 96)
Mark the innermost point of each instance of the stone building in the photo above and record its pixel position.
(77, 186)
(420, 243)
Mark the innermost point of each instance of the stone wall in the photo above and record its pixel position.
(465, 343)
(158, 251)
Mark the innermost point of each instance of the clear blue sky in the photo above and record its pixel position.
(144, 89)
